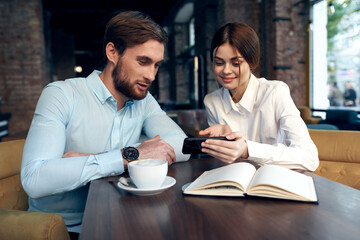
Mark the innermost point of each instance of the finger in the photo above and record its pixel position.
(172, 156)
(227, 149)
(168, 151)
(218, 155)
(70, 154)
(157, 137)
(225, 157)
(204, 132)
(171, 152)
(65, 155)
(223, 143)
(170, 161)
(233, 135)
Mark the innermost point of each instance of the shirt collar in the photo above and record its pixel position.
(98, 87)
(100, 90)
(247, 101)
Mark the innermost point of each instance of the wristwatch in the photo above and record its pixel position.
(130, 153)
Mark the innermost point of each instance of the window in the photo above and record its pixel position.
(335, 51)
(192, 32)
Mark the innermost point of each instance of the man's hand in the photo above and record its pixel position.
(216, 131)
(227, 151)
(156, 148)
(74, 154)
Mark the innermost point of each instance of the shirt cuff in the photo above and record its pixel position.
(111, 163)
(257, 153)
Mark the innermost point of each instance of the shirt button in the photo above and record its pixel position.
(112, 174)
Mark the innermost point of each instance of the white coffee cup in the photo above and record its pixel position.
(148, 173)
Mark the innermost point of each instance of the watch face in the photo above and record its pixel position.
(131, 153)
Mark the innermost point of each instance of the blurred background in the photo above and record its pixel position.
(308, 44)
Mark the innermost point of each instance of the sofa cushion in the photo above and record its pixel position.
(339, 155)
(12, 194)
(342, 172)
(337, 146)
(19, 225)
(11, 150)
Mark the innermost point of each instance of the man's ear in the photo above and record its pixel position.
(111, 53)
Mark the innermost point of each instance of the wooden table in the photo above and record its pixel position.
(115, 214)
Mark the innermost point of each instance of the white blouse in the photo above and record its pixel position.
(270, 122)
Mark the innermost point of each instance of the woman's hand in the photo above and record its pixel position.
(227, 151)
(216, 131)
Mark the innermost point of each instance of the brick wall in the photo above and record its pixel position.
(22, 64)
(282, 29)
(245, 11)
(287, 46)
(214, 14)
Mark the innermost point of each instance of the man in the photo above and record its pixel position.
(88, 128)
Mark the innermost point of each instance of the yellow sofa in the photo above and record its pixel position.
(306, 115)
(339, 154)
(15, 222)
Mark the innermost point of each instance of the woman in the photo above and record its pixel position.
(258, 114)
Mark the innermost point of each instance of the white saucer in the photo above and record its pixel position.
(168, 182)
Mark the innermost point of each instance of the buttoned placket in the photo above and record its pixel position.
(115, 139)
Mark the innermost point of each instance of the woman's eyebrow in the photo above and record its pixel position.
(236, 58)
(218, 58)
(233, 58)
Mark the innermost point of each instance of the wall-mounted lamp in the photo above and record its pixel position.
(78, 69)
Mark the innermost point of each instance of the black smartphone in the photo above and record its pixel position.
(193, 144)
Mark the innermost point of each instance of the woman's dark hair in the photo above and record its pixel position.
(130, 28)
(243, 38)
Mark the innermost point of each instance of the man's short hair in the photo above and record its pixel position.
(130, 28)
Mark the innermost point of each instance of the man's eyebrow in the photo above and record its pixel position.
(144, 58)
(147, 59)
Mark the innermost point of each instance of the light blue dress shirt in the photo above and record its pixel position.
(81, 115)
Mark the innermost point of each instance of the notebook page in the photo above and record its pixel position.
(238, 172)
(287, 179)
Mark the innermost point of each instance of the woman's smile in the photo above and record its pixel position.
(228, 79)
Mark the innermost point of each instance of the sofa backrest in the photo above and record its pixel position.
(12, 195)
(341, 116)
(339, 154)
(344, 119)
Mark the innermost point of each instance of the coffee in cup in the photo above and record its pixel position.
(148, 173)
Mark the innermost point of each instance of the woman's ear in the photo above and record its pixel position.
(111, 53)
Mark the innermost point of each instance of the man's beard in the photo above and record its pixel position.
(122, 84)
